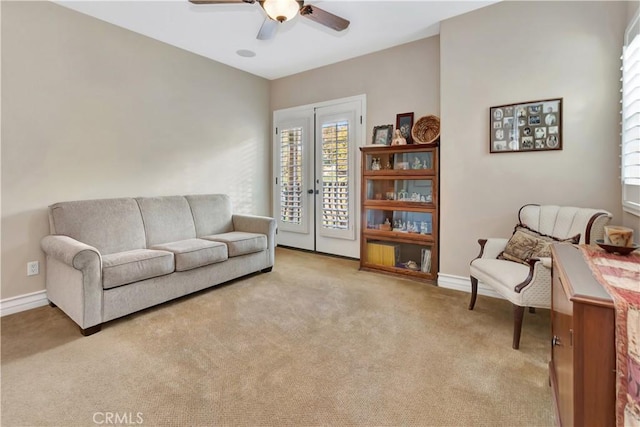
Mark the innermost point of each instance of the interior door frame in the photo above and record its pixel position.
(359, 140)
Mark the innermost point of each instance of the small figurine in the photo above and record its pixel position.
(398, 139)
(417, 164)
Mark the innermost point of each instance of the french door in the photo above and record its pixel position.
(316, 187)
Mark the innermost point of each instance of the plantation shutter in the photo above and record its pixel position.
(335, 175)
(631, 118)
(291, 178)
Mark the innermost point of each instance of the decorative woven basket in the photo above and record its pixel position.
(426, 130)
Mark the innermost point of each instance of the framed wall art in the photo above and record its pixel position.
(528, 126)
(382, 135)
(404, 122)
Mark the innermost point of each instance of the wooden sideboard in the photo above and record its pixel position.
(583, 360)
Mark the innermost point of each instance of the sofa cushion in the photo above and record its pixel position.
(131, 266)
(241, 243)
(211, 213)
(193, 253)
(166, 219)
(109, 225)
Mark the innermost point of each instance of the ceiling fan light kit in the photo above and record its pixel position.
(281, 10)
(284, 10)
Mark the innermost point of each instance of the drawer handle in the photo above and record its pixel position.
(555, 341)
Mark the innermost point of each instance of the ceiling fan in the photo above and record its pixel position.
(283, 10)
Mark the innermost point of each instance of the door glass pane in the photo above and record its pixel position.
(291, 175)
(335, 175)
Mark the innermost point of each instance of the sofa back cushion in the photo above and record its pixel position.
(109, 225)
(166, 219)
(563, 222)
(212, 213)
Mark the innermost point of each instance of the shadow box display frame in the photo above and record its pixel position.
(526, 126)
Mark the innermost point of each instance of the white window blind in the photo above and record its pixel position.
(291, 179)
(335, 175)
(631, 118)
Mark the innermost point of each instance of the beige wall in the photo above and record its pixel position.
(402, 79)
(516, 52)
(90, 110)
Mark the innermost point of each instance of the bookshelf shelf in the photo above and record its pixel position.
(399, 232)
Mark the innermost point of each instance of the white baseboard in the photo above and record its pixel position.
(463, 284)
(23, 302)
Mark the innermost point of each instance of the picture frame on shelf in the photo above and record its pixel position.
(526, 126)
(382, 135)
(404, 122)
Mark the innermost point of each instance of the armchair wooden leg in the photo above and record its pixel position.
(474, 292)
(518, 314)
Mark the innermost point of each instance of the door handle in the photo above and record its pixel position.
(555, 341)
(310, 191)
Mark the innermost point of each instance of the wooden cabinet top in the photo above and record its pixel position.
(578, 281)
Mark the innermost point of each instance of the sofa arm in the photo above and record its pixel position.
(74, 279)
(255, 224)
(258, 224)
(70, 251)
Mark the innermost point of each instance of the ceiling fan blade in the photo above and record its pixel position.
(221, 1)
(268, 29)
(323, 17)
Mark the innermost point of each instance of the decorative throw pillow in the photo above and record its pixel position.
(526, 243)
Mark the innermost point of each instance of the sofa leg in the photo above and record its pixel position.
(92, 330)
(51, 304)
(267, 270)
(518, 314)
(474, 292)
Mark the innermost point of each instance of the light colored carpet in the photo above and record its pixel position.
(315, 342)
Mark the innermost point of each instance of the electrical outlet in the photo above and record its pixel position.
(33, 268)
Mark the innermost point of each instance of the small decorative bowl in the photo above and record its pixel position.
(622, 250)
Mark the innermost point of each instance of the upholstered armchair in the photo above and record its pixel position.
(519, 268)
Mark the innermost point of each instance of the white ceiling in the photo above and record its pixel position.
(219, 31)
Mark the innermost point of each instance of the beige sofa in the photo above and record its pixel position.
(111, 257)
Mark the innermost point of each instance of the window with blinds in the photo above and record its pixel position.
(631, 118)
(291, 178)
(335, 175)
